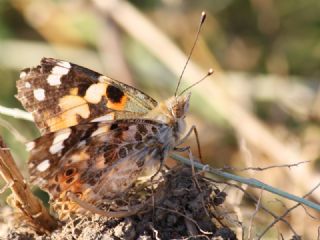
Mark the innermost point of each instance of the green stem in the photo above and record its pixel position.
(249, 181)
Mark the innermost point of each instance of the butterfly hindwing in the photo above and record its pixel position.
(60, 94)
(97, 158)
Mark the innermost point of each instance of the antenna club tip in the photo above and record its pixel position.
(203, 17)
(210, 72)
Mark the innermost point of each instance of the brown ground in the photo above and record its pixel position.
(183, 209)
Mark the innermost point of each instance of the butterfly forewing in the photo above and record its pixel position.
(60, 94)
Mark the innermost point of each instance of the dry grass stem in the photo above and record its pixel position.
(16, 113)
(255, 200)
(17, 135)
(265, 168)
(287, 212)
(258, 204)
(30, 206)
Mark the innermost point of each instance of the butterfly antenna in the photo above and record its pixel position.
(210, 72)
(203, 18)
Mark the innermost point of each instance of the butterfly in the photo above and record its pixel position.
(98, 135)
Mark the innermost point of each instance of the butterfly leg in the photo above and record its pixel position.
(194, 130)
(191, 158)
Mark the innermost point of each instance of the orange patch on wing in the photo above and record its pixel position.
(71, 108)
(81, 156)
(99, 164)
(74, 91)
(76, 185)
(118, 105)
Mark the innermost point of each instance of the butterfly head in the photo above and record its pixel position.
(179, 105)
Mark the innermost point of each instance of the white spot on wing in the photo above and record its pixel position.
(54, 80)
(39, 94)
(60, 70)
(43, 166)
(27, 85)
(95, 92)
(65, 64)
(56, 148)
(62, 135)
(23, 75)
(106, 117)
(57, 144)
(30, 146)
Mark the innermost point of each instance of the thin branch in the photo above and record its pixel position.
(254, 214)
(309, 214)
(16, 113)
(250, 196)
(265, 168)
(18, 136)
(287, 212)
(249, 181)
(30, 206)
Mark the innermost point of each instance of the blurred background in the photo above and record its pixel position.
(261, 107)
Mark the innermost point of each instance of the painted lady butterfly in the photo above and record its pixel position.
(98, 135)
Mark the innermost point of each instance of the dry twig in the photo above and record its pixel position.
(17, 135)
(258, 204)
(30, 206)
(250, 196)
(286, 213)
(16, 113)
(265, 168)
